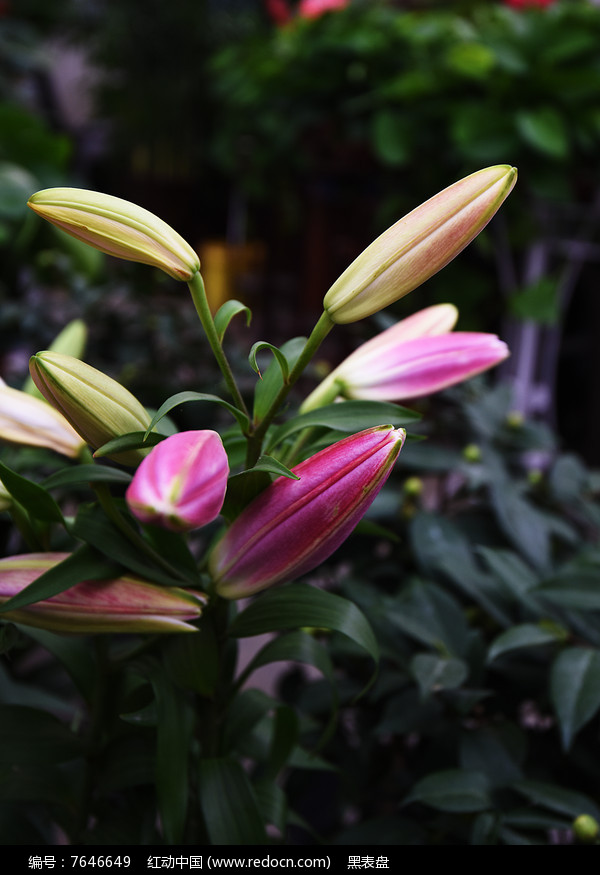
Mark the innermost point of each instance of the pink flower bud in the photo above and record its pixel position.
(125, 604)
(381, 352)
(181, 484)
(398, 364)
(294, 525)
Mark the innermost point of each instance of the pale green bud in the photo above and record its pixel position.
(98, 408)
(117, 227)
(70, 341)
(418, 245)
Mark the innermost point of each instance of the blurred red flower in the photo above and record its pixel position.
(315, 8)
(525, 4)
(279, 11)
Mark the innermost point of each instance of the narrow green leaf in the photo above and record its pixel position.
(226, 313)
(273, 466)
(84, 564)
(524, 635)
(135, 440)
(174, 729)
(297, 605)
(272, 803)
(84, 474)
(454, 790)
(268, 388)
(187, 397)
(280, 358)
(283, 740)
(228, 804)
(34, 498)
(348, 416)
(575, 689)
(92, 526)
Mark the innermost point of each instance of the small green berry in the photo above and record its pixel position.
(586, 828)
(472, 453)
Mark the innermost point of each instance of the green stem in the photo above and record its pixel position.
(94, 739)
(115, 516)
(198, 292)
(22, 521)
(318, 335)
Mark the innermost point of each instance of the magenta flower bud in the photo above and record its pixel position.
(124, 604)
(294, 525)
(388, 369)
(181, 484)
(381, 353)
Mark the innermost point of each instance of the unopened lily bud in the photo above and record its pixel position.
(397, 364)
(29, 421)
(98, 408)
(294, 525)
(117, 227)
(418, 245)
(124, 604)
(181, 484)
(70, 341)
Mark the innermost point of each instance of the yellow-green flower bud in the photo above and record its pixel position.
(70, 341)
(418, 245)
(117, 227)
(98, 408)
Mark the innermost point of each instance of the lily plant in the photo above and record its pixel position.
(127, 563)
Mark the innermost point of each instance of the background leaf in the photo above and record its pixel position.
(575, 689)
(228, 804)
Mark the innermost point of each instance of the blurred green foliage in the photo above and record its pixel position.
(430, 92)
